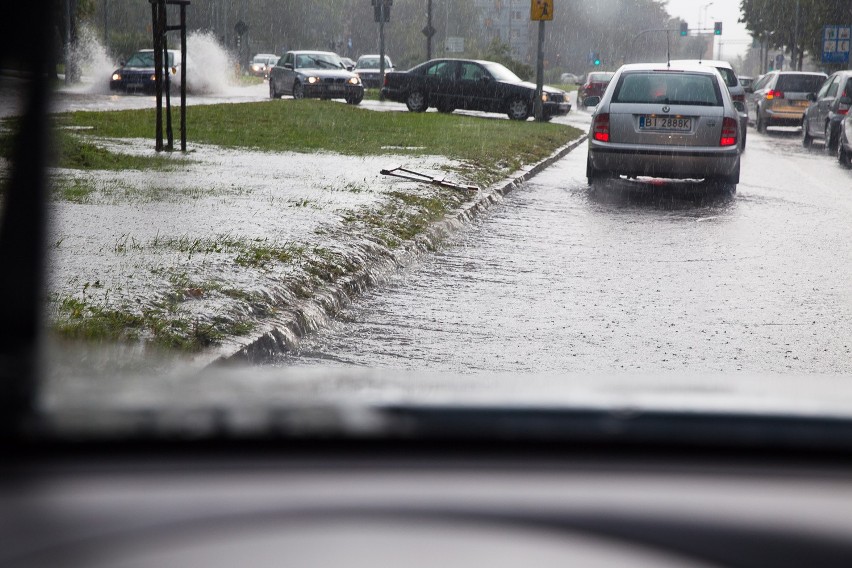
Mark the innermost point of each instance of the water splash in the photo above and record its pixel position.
(93, 60)
(210, 68)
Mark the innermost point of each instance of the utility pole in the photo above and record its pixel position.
(429, 31)
(381, 13)
(541, 11)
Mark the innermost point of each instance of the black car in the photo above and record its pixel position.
(314, 74)
(827, 108)
(137, 73)
(450, 84)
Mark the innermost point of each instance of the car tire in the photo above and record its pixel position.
(273, 94)
(447, 109)
(298, 91)
(745, 135)
(733, 178)
(760, 124)
(354, 99)
(844, 157)
(518, 109)
(831, 139)
(594, 176)
(416, 101)
(807, 139)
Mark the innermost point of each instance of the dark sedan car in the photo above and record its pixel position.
(827, 108)
(450, 84)
(137, 74)
(314, 74)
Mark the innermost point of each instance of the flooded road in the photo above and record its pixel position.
(635, 276)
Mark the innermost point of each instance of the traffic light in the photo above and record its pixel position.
(597, 60)
(684, 28)
(717, 28)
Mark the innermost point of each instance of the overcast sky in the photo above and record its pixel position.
(734, 40)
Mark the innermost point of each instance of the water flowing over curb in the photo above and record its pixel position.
(306, 316)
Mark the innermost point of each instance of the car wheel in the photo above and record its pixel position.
(733, 178)
(416, 101)
(807, 139)
(745, 135)
(273, 94)
(518, 109)
(354, 99)
(298, 91)
(593, 175)
(843, 156)
(761, 125)
(830, 139)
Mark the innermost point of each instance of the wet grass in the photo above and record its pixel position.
(161, 325)
(494, 146)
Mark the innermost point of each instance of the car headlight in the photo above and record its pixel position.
(313, 80)
(354, 81)
(116, 77)
(154, 77)
(545, 97)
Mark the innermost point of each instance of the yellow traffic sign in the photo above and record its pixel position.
(541, 10)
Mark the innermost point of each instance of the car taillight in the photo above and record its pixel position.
(771, 94)
(600, 128)
(841, 108)
(729, 132)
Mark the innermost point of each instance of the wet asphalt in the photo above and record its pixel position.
(674, 276)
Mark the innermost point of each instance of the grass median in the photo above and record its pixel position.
(484, 150)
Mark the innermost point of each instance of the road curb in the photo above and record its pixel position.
(282, 334)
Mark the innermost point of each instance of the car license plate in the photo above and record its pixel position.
(667, 123)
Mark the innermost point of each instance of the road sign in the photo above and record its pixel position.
(541, 10)
(835, 44)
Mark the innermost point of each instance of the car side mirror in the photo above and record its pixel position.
(591, 101)
(350, 67)
(288, 66)
(811, 97)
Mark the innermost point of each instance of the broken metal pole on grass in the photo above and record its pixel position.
(404, 173)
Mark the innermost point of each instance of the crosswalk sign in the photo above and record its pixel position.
(541, 10)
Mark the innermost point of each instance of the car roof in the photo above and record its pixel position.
(711, 62)
(777, 72)
(671, 66)
(307, 51)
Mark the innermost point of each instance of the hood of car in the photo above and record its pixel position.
(326, 73)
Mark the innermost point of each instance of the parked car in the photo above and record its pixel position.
(137, 73)
(449, 84)
(746, 81)
(314, 74)
(844, 144)
(674, 122)
(368, 68)
(594, 86)
(261, 63)
(780, 98)
(826, 109)
(569, 79)
(738, 94)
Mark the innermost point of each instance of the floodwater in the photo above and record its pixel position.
(634, 277)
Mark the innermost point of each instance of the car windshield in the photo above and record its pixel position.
(318, 61)
(799, 83)
(668, 88)
(146, 59)
(311, 239)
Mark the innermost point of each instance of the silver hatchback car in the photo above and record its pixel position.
(673, 121)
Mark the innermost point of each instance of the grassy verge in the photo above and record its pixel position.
(485, 150)
(492, 145)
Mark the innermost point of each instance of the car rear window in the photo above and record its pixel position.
(668, 88)
(800, 83)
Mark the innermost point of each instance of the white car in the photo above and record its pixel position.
(674, 121)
